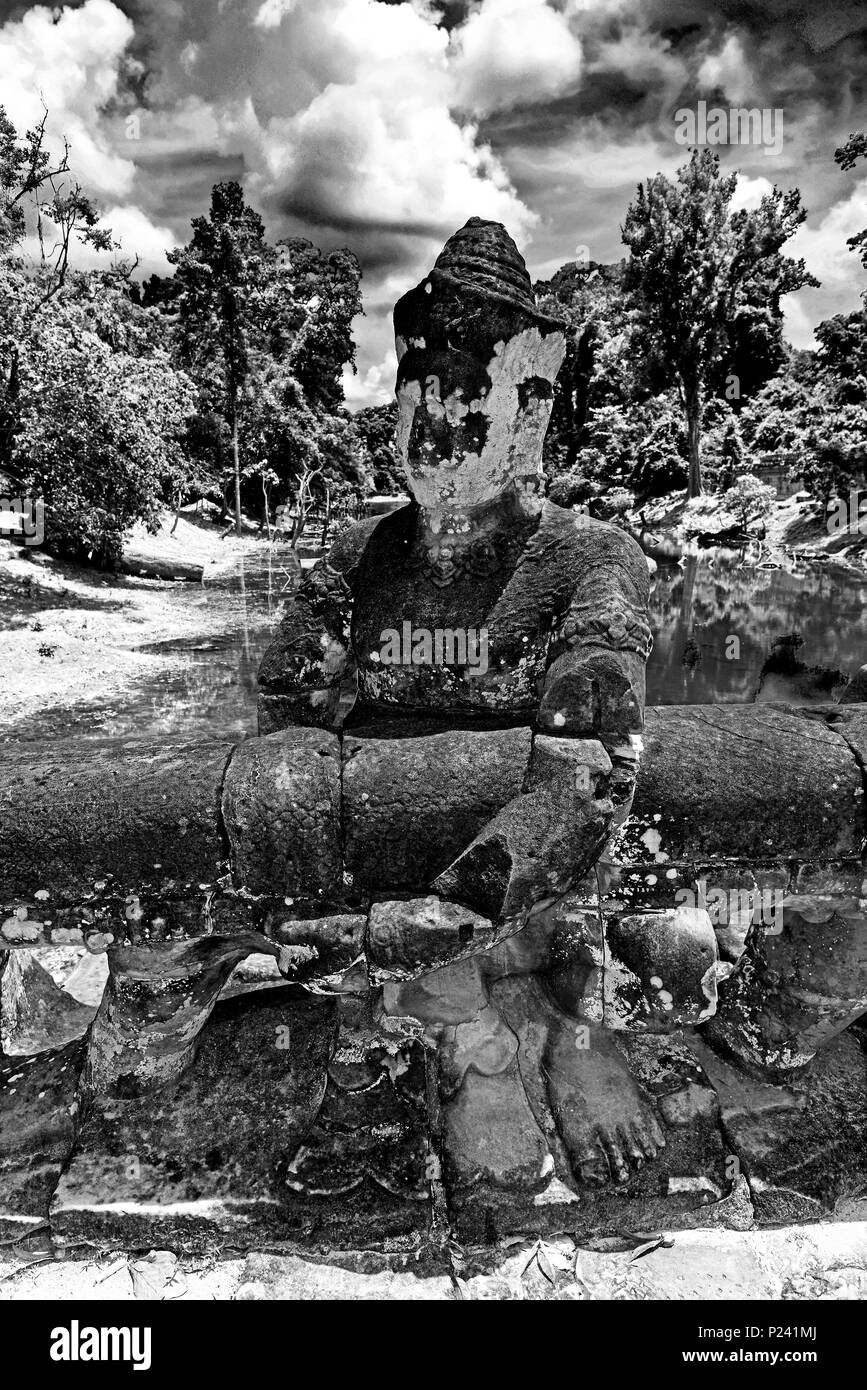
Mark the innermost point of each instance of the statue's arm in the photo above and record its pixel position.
(580, 780)
(594, 684)
(309, 669)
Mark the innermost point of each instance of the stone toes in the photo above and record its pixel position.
(616, 1161)
(657, 1133)
(631, 1141)
(647, 1136)
(593, 1168)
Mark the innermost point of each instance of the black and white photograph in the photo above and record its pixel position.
(433, 697)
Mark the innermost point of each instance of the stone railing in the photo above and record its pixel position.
(181, 857)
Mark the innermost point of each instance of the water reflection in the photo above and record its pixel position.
(699, 604)
(715, 622)
(194, 684)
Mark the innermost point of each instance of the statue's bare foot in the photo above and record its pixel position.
(605, 1120)
(491, 1134)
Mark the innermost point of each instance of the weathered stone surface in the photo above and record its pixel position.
(823, 1261)
(77, 816)
(849, 721)
(281, 806)
(841, 879)
(491, 1137)
(573, 957)
(801, 1145)
(538, 846)
(674, 1190)
(408, 938)
(361, 1179)
(489, 413)
(738, 895)
(635, 886)
(411, 805)
(560, 1087)
(752, 781)
(673, 956)
(307, 669)
(594, 691)
(796, 986)
(318, 950)
(155, 1005)
(584, 758)
(35, 1013)
(205, 1158)
(289, 1279)
(39, 1115)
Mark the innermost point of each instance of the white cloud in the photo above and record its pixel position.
(375, 387)
(824, 246)
(749, 192)
(826, 254)
(728, 71)
(271, 12)
(138, 235)
(72, 57)
(513, 52)
(344, 118)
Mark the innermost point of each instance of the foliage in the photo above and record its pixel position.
(266, 331)
(99, 434)
(705, 277)
(375, 427)
(847, 157)
(749, 499)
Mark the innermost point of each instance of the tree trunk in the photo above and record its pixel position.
(327, 521)
(693, 430)
(267, 510)
(236, 459)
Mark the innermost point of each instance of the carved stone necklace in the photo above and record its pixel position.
(470, 554)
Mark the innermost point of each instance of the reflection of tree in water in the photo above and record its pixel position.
(710, 597)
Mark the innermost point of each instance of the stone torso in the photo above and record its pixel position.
(517, 587)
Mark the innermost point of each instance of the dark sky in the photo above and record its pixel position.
(384, 126)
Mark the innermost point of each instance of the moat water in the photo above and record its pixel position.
(716, 620)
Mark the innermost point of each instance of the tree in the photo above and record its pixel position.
(266, 330)
(659, 466)
(835, 452)
(847, 157)
(375, 426)
(598, 369)
(696, 267)
(30, 181)
(843, 345)
(222, 278)
(41, 192)
(325, 297)
(731, 456)
(100, 434)
(749, 499)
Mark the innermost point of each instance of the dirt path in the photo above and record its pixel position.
(73, 637)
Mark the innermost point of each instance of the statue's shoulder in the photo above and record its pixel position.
(349, 546)
(578, 531)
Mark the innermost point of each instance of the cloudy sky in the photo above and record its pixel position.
(384, 126)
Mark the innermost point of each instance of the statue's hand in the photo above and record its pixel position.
(594, 691)
(410, 936)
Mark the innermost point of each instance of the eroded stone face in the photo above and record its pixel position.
(468, 448)
(476, 370)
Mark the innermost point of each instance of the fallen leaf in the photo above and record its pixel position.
(152, 1273)
(648, 1247)
(558, 1256)
(534, 1250)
